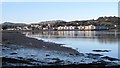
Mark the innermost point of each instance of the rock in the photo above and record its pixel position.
(58, 61)
(55, 59)
(3, 49)
(68, 61)
(81, 54)
(94, 54)
(13, 53)
(20, 57)
(110, 58)
(101, 50)
(77, 54)
(47, 55)
(102, 62)
(31, 60)
(71, 54)
(14, 60)
(32, 55)
(82, 61)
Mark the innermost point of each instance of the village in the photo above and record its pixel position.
(38, 27)
(102, 23)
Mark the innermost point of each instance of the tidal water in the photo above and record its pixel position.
(82, 41)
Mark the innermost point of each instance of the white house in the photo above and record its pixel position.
(89, 27)
(60, 28)
(66, 27)
(10, 29)
(81, 27)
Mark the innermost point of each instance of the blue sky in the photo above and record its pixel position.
(33, 12)
(59, 0)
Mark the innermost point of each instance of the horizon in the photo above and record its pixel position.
(35, 12)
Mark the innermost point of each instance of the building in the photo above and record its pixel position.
(101, 28)
(90, 27)
(66, 28)
(81, 27)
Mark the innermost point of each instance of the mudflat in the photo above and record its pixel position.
(15, 37)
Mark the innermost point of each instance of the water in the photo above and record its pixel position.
(82, 41)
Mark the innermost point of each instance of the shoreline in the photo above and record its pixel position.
(52, 55)
(15, 37)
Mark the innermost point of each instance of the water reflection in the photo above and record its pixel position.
(83, 41)
(101, 36)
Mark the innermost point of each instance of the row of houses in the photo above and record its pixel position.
(89, 27)
(64, 27)
(36, 27)
(20, 28)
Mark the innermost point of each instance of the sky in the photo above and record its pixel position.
(59, 0)
(34, 12)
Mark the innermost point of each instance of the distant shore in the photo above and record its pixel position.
(58, 30)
